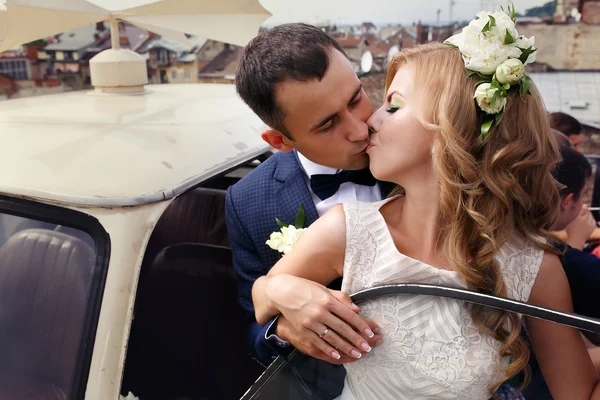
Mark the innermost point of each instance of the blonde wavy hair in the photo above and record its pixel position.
(490, 190)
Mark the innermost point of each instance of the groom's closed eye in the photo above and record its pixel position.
(356, 98)
(330, 124)
(326, 124)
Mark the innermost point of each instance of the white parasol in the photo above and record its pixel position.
(230, 21)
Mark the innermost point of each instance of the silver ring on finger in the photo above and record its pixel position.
(324, 333)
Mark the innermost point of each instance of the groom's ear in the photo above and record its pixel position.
(277, 140)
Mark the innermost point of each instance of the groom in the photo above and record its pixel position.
(301, 84)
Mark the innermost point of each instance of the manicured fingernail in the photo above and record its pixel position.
(356, 354)
(379, 342)
(366, 347)
(369, 332)
(335, 355)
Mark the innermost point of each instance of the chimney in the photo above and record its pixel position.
(419, 31)
(123, 38)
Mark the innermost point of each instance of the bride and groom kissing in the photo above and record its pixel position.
(448, 182)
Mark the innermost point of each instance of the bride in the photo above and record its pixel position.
(471, 153)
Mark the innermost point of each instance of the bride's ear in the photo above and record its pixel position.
(277, 140)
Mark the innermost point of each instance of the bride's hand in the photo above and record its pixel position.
(327, 318)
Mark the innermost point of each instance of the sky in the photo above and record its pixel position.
(358, 11)
(381, 11)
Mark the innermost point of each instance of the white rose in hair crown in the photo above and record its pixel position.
(493, 50)
(284, 240)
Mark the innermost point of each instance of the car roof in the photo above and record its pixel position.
(94, 149)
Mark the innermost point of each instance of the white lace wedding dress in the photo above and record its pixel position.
(431, 348)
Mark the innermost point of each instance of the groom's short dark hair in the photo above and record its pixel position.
(292, 51)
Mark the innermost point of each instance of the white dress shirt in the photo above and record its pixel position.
(348, 192)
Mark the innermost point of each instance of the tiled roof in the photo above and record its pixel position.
(350, 41)
(77, 39)
(187, 58)
(379, 48)
(163, 43)
(225, 63)
(574, 93)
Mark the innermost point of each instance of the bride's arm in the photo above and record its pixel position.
(318, 256)
(295, 288)
(560, 350)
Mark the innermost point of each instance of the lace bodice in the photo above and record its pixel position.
(431, 348)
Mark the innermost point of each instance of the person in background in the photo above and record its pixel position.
(562, 139)
(582, 268)
(575, 219)
(579, 230)
(568, 125)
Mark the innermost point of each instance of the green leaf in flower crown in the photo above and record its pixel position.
(500, 88)
(281, 223)
(450, 44)
(498, 116)
(508, 39)
(525, 85)
(300, 218)
(486, 126)
(526, 53)
(490, 24)
(486, 78)
(513, 13)
(495, 98)
(471, 73)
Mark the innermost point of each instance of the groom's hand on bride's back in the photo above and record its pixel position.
(304, 339)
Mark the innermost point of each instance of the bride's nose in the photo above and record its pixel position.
(374, 122)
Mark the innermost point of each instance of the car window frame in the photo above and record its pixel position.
(376, 292)
(58, 215)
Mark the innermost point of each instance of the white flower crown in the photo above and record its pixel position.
(492, 48)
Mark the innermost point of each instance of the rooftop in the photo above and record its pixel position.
(225, 63)
(575, 93)
(78, 39)
(353, 41)
(566, 47)
(159, 42)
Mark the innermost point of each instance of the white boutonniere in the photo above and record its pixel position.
(285, 239)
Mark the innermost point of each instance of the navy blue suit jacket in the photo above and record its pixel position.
(275, 189)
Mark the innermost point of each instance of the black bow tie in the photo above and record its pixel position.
(325, 186)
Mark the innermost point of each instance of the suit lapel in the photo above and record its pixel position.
(292, 191)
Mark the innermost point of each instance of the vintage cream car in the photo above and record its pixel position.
(115, 274)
